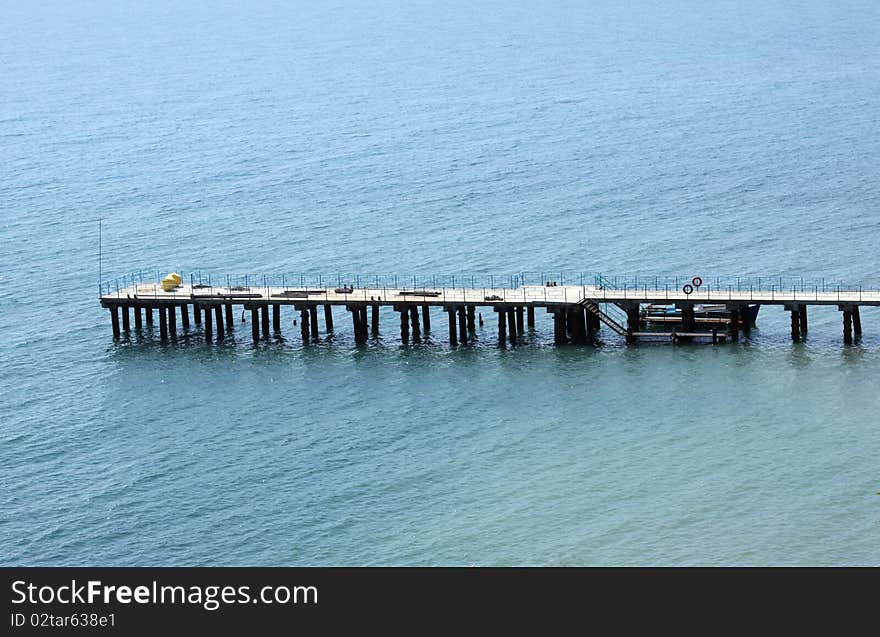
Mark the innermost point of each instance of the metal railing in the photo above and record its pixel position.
(564, 287)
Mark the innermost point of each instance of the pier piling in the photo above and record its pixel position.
(857, 321)
(276, 318)
(328, 318)
(218, 314)
(404, 324)
(471, 319)
(632, 324)
(197, 314)
(304, 323)
(126, 324)
(374, 319)
(114, 320)
(209, 331)
(264, 320)
(559, 327)
(577, 323)
(362, 314)
(688, 318)
(796, 325)
(847, 327)
(802, 314)
(462, 325)
(632, 318)
(313, 318)
(255, 324)
(734, 322)
(138, 320)
(502, 324)
(530, 316)
(163, 323)
(184, 317)
(414, 319)
(148, 315)
(426, 318)
(172, 321)
(453, 340)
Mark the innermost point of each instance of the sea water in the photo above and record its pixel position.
(691, 138)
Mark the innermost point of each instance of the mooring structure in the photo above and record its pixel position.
(580, 305)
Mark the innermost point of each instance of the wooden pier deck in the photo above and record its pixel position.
(579, 311)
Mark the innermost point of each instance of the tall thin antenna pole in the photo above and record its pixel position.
(100, 255)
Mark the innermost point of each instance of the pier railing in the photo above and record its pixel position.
(357, 280)
(566, 287)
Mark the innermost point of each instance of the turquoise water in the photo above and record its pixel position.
(493, 137)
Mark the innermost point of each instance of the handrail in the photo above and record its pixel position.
(631, 286)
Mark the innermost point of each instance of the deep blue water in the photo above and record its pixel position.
(724, 138)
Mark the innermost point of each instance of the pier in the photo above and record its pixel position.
(580, 306)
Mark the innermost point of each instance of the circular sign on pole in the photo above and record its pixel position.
(697, 281)
(688, 288)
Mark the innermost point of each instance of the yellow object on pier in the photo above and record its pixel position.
(171, 281)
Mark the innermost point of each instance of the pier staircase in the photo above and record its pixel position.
(603, 316)
(611, 315)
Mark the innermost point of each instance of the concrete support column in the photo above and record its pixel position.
(374, 319)
(426, 317)
(404, 323)
(462, 325)
(172, 321)
(114, 320)
(255, 324)
(592, 321)
(184, 317)
(218, 314)
(847, 327)
(632, 318)
(471, 319)
(511, 324)
(264, 320)
(163, 323)
(520, 320)
(735, 321)
(313, 317)
(688, 319)
(575, 319)
(414, 319)
(359, 321)
(148, 315)
(559, 336)
(530, 316)
(502, 324)
(197, 314)
(796, 325)
(803, 319)
(328, 318)
(452, 337)
(304, 324)
(230, 317)
(126, 321)
(209, 330)
(857, 321)
(138, 319)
